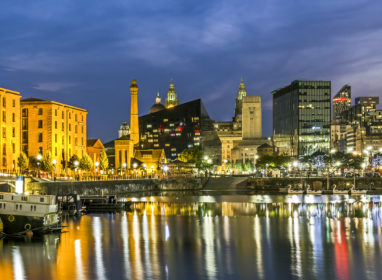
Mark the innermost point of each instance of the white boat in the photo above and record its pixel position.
(337, 191)
(290, 190)
(354, 191)
(21, 213)
(310, 191)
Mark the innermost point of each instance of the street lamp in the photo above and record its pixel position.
(333, 151)
(54, 162)
(39, 157)
(124, 167)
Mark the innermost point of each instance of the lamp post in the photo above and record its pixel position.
(39, 157)
(135, 165)
(76, 163)
(54, 162)
(96, 164)
(124, 168)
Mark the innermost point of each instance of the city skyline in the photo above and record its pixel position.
(78, 60)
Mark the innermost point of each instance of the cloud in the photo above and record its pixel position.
(54, 86)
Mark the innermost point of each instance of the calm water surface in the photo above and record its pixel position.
(211, 237)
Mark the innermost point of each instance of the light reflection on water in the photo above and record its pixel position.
(233, 237)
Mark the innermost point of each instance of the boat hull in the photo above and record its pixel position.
(20, 223)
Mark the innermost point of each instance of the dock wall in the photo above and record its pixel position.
(116, 186)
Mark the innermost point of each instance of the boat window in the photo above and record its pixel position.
(41, 199)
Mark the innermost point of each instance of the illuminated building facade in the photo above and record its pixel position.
(241, 137)
(94, 147)
(10, 129)
(301, 117)
(49, 126)
(360, 127)
(187, 125)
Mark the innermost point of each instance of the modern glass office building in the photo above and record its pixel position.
(301, 117)
(174, 129)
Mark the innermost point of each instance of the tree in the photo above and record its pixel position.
(47, 162)
(103, 161)
(23, 161)
(239, 166)
(248, 165)
(193, 155)
(228, 166)
(86, 163)
(71, 164)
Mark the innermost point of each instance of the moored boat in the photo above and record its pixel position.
(354, 191)
(102, 203)
(70, 204)
(314, 192)
(21, 213)
(290, 190)
(338, 191)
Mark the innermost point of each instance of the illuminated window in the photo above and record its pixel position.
(40, 111)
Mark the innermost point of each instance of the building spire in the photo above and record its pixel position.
(242, 90)
(171, 98)
(157, 99)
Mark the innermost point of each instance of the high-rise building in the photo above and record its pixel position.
(10, 129)
(341, 102)
(363, 125)
(171, 98)
(49, 126)
(187, 125)
(301, 117)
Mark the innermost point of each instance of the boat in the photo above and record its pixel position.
(290, 190)
(354, 191)
(315, 192)
(22, 213)
(70, 204)
(104, 203)
(337, 191)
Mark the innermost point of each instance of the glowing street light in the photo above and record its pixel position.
(135, 165)
(333, 151)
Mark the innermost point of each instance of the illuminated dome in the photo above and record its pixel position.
(157, 106)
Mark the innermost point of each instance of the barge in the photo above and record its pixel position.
(22, 213)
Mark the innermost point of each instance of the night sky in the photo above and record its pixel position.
(85, 52)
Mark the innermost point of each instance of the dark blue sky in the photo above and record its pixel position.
(85, 52)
